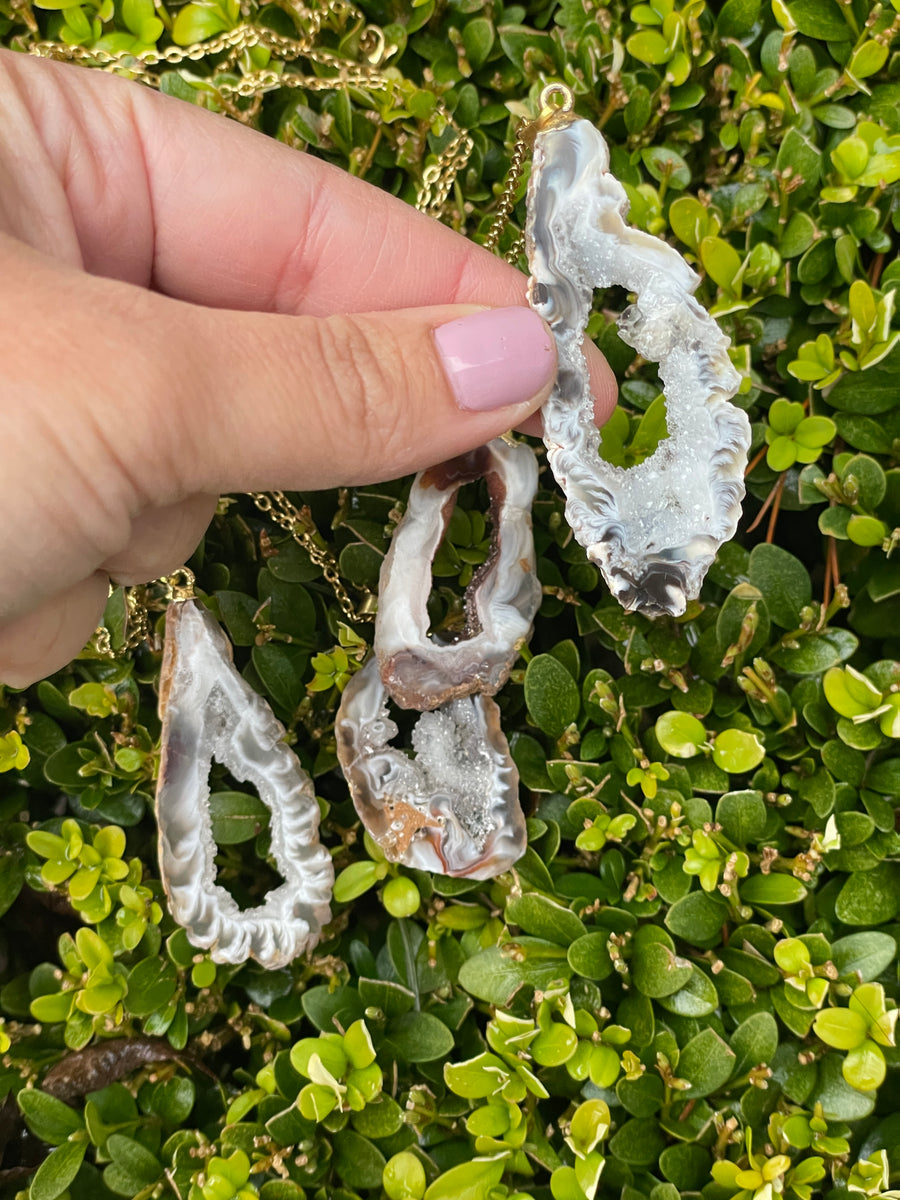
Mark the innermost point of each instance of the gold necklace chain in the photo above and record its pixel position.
(300, 525)
(297, 522)
(437, 176)
(507, 201)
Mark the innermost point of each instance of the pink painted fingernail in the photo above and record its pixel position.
(497, 357)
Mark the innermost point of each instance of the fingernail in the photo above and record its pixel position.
(497, 357)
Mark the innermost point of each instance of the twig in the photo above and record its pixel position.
(779, 492)
(370, 153)
(755, 460)
(767, 503)
(835, 565)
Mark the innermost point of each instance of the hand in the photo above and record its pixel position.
(190, 308)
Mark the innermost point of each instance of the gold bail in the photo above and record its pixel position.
(180, 584)
(556, 99)
(557, 102)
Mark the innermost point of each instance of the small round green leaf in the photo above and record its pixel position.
(737, 751)
(680, 734)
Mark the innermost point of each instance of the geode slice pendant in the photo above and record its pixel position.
(653, 529)
(209, 712)
(454, 807)
(501, 601)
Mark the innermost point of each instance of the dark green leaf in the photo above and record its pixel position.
(281, 669)
(686, 1166)
(551, 695)
(531, 761)
(754, 1042)
(707, 1062)
(419, 1037)
(12, 876)
(392, 998)
(478, 39)
(589, 956)
(783, 581)
(236, 817)
(332, 1009)
(495, 975)
(870, 897)
(133, 1167)
(151, 985)
(641, 1097)
(57, 1171)
(696, 998)
(742, 816)
(817, 652)
(800, 153)
(381, 1119)
(237, 612)
(638, 1143)
(864, 954)
(655, 968)
(772, 889)
(697, 918)
(48, 1118)
(544, 919)
(869, 392)
(820, 19)
(357, 1161)
(737, 18)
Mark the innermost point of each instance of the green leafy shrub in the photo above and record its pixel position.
(689, 983)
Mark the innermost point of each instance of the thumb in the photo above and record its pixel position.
(302, 402)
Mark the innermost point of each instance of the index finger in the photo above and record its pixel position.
(238, 220)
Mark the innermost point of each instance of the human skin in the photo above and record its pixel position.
(189, 308)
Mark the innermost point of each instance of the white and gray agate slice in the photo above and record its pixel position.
(424, 672)
(209, 712)
(653, 529)
(454, 807)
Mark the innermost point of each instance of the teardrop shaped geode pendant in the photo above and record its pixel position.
(209, 712)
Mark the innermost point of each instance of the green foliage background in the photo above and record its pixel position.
(689, 982)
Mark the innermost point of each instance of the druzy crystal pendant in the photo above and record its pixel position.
(453, 806)
(209, 712)
(653, 529)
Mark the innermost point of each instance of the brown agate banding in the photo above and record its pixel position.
(209, 711)
(454, 807)
(423, 672)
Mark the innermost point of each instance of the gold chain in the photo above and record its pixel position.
(437, 176)
(507, 200)
(556, 101)
(137, 624)
(179, 585)
(300, 525)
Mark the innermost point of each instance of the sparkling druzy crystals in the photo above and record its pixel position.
(454, 807)
(654, 528)
(208, 711)
(501, 600)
